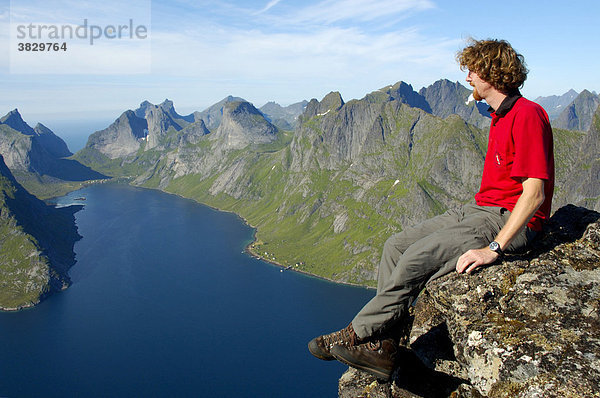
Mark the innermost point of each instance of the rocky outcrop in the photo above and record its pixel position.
(528, 327)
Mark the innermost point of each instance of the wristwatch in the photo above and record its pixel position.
(495, 247)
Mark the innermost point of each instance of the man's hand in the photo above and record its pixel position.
(526, 206)
(474, 258)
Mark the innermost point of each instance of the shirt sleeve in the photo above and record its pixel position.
(532, 136)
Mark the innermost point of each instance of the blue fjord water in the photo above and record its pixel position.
(165, 304)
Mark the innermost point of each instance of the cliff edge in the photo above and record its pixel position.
(529, 327)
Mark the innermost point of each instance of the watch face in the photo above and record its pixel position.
(494, 246)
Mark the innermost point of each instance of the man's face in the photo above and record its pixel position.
(480, 87)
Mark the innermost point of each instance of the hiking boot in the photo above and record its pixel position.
(376, 357)
(321, 346)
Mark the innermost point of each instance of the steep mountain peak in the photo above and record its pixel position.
(243, 124)
(272, 110)
(445, 84)
(579, 114)
(240, 106)
(14, 120)
(331, 102)
(53, 144)
(404, 92)
(168, 107)
(127, 118)
(585, 94)
(213, 114)
(167, 104)
(571, 93)
(285, 118)
(122, 137)
(141, 111)
(400, 91)
(446, 98)
(161, 118)
(555, 104)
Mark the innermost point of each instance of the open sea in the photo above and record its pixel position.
(164, 303)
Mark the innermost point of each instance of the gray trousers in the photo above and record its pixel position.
(422, 253)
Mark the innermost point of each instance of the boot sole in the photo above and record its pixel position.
(380, 373)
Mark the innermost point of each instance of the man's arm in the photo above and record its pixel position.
(527, 204)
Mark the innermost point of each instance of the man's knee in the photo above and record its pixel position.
(392, 245)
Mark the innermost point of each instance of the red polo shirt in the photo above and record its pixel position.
(520, 146)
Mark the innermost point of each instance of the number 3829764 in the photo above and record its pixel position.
(42, 46)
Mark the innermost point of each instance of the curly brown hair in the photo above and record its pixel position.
(496, 62)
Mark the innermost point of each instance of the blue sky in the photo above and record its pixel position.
(287, 51)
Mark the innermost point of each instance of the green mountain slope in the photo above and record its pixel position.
(36, 245)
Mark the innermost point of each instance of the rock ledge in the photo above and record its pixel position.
(529, 327)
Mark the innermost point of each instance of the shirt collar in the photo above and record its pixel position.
(506, 104)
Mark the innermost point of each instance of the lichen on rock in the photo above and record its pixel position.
(528, 327)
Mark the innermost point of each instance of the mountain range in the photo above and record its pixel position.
(39, 159)
(326, 182)
(579, 114)
(325, 195)
(572, 110)
(285, 118)
(555, 104)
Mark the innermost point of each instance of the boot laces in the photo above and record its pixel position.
(374, 345)
(346, 336)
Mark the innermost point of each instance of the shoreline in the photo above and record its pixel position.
(252, 254)
(247, 249)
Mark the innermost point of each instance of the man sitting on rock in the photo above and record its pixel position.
(513, 202)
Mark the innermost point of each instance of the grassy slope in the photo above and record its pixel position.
(45, 187)
(24, 272)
